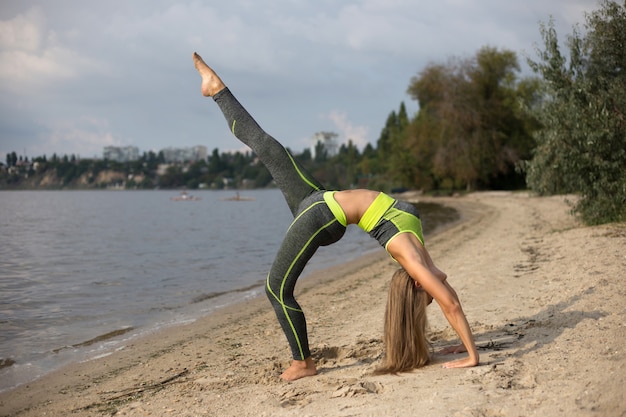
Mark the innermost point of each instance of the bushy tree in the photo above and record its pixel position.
(582, 145)
(470, 130)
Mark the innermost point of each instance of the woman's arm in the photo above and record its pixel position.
(456, 317)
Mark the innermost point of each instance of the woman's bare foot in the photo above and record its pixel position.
(211, 83)
(300, 369)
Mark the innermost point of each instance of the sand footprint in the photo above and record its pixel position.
(364, 351)
(294, 397)
(357, 389)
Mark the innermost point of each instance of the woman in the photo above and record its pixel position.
(320, 219)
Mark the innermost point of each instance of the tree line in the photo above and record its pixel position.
(480, 125)
(148, 172)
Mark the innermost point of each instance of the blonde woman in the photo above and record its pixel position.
(320, 219)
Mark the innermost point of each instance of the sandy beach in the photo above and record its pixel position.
(545, 297)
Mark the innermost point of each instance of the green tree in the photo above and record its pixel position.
(499, 138)
(470, 129)
(348, 158)
(216, 165)
(384, 141)
(582, 145)
(394, 162)
(172, 178)
(399, 163)
(437, 137)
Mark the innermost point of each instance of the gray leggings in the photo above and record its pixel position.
(314, 224)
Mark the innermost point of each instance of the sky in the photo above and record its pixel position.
(79, 75)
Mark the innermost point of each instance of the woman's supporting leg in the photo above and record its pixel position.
(315, 226)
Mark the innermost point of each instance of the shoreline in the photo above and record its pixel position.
(28, 370)
(309, 279)
(547, 315)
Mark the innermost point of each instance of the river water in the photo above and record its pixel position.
(81, 272)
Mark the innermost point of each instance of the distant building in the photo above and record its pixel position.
(121, 154)
(162, 169)
(195, 153)
(328, 140)
(171, 155)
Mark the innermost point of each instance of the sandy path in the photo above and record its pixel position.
(545, 296)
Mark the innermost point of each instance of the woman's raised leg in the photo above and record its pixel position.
(292, 179)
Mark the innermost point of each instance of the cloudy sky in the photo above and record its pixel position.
(78, 75)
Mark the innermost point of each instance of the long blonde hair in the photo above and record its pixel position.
(406, 345)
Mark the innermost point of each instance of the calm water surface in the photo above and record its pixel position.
(81, 272)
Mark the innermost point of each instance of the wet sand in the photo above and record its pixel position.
(544, 295)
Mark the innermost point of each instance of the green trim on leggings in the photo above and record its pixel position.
(315, 224)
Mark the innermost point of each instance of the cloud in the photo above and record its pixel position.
(85, 137)
(289, 61)
(31, 57)
(347, 131)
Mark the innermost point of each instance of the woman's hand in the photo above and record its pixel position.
(461, 363)
(453, 349)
